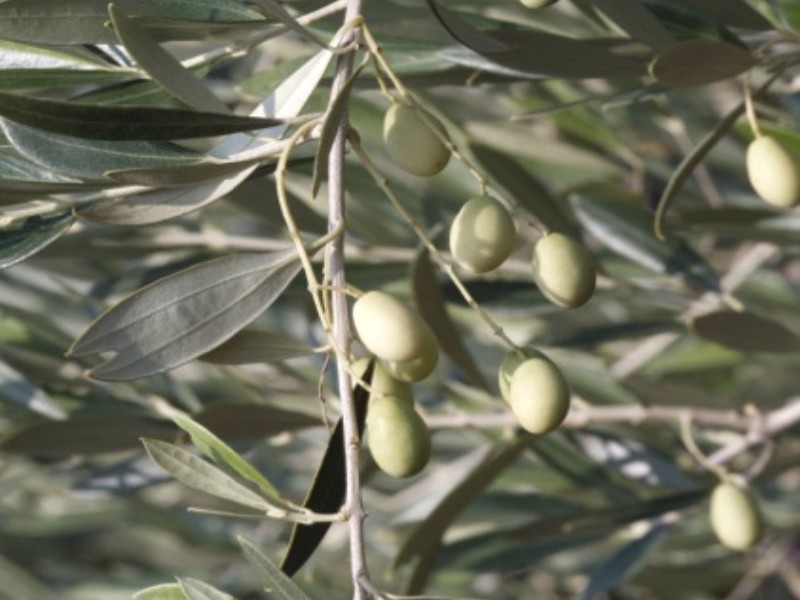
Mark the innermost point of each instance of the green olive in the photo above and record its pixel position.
(774, 172)
(538, 3)
(399, 440)
(510, 363)
(735, 517)
(563, 270)
(482, 235)
(418, 368)
(383, 383)
(538, 395)
(389, 329)
(411, 143)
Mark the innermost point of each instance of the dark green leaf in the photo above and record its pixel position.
(736, 13)
(185, 315)
(90, 159)
(327, 491)
(464, 32)
(746, 331)
(625, 229)
(624, 563)
(638, 22)
(122, 123)
(252, 347)
(181, 176)
(22, 240)
(699, 62)
(280, 585)
(431, 305)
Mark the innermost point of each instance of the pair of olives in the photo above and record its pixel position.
(398, 438)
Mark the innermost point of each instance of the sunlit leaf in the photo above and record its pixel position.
(200, 475)
(165, 591)
(162, 66)
(182, 316)
(199, 590)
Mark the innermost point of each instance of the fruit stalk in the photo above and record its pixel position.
(335, 262)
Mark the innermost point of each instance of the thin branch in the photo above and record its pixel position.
(340, 317)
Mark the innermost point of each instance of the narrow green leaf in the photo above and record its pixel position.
(624, 563)
(327, 491)
(699, 62)
(735, 13)
(165, 591)
(275, 9)
(90, 159)
(625, 229)
(637, 21)
(162, 66)
(519, 185)
(190, 175)
(123, 123)
(250, 347)
(333, 120)
(281, 586)
(194, 589)
(15, 388)
(198, 474)
(222, 454)
(746, 331)
(24, 239)
(84, 21)
(18, 584)
(182, 316)
(425, 540)
(464, 32)
(431, 305)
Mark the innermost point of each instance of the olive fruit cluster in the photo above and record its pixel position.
(535, 389)
(734, 516)
(773, 171)
(411, 142)
(398, 439)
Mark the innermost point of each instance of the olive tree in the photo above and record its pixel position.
(399, 299)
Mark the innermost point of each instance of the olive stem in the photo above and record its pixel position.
(750, 111)
(335, 268)
(446, 266)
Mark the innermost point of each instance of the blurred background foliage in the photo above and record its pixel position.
(578, 143)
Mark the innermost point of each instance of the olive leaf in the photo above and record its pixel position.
(184, 315)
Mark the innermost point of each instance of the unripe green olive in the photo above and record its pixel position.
(390, 329)
(398, 438)
(735, 517)
(416, 369)
(411, 143)
(773, 172)
(482, 235)
(382, 384)
(538, 3)
(563, 270)
(538, 395)
(510, 363)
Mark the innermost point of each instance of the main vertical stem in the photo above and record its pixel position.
(341, 319)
